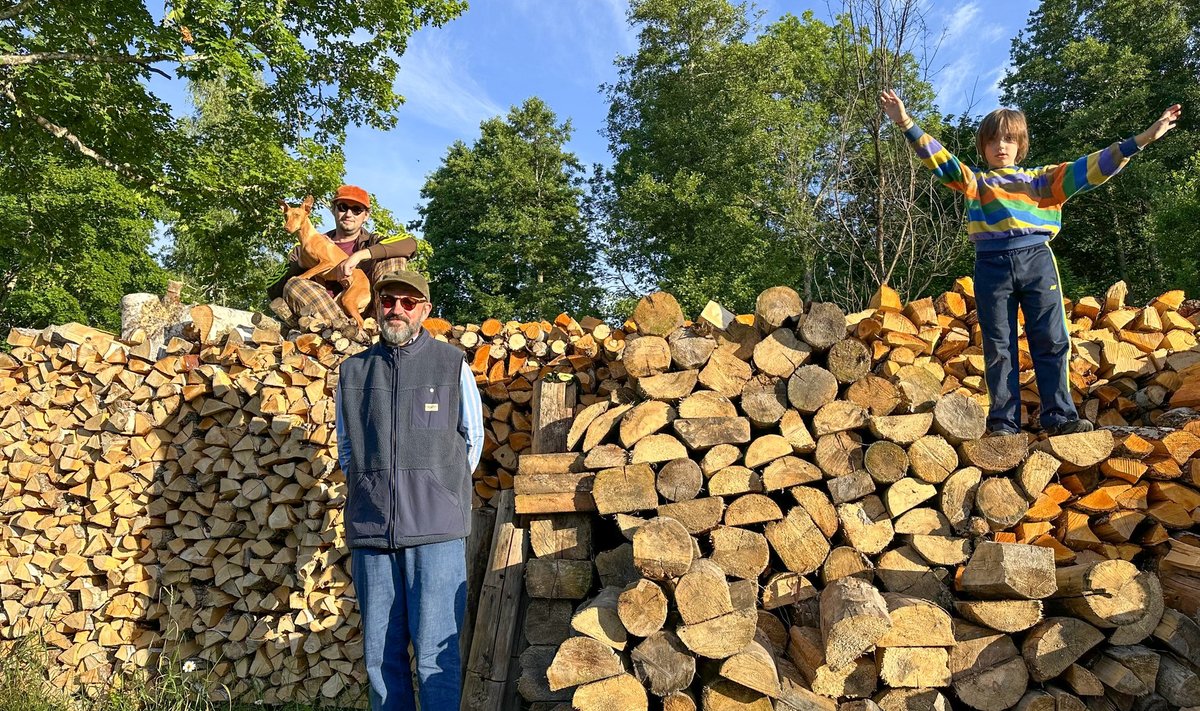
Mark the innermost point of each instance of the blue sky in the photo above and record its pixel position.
(501, 52)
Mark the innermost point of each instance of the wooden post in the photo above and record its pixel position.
(497, 616)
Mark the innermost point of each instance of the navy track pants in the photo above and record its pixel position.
(1026, 277)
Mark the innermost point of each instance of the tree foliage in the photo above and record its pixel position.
(747, 156)
(73, 240)
(1088, 73)
(274, 86)
(503, 219)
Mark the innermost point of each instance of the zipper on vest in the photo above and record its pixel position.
(392, 459)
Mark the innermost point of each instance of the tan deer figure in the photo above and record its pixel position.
(319, 255)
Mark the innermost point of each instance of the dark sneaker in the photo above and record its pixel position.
(1071, 427)
(1000, 432)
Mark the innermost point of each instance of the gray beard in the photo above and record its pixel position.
(397, 334)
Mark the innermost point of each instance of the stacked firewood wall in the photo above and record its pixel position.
(187, 504)
(797, 510)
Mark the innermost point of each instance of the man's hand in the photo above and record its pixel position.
(1158, 129)
(341, 273)
(893, 107)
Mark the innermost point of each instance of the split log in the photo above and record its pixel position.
(854, 616)
(1010, 570)
(642, 608)
(1056, 643)
(662, 663)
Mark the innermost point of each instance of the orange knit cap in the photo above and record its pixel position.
(352, 193)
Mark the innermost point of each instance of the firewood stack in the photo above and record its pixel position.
(796, 510)
(188, 502)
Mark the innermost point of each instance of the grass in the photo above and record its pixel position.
(25, 686)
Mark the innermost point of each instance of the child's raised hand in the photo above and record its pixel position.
(1165, 123)
(893, 107)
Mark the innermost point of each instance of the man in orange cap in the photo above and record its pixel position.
(374, 254)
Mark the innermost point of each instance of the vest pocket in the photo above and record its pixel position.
(367, 502)
(427, 507)
(431, 407)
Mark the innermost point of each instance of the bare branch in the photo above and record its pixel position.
(16, 60)
(15, 10)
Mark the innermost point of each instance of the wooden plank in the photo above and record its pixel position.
(496, 620)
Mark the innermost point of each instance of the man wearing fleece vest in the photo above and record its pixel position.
(410, 432)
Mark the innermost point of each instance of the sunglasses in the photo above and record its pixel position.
(347, 207)
(408, 303)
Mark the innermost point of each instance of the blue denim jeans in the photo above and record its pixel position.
(417, 595)
(1026, 277)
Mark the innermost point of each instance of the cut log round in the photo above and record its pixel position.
(932, 459)
(823, 325)
(1002, 615)
(740, 553)
(811, 387)
(679, 480)
(839, 454)
(777, 307)
(1152, 592)
(958, 494)
(646, 356)
(886, 462)
(690, 351)
(1000, 503)
(849, 360)
(916, 623)
(995, 454)
(581, 660)
(720, 637)
(780, 353)
(657, 314)
(642, 607)
(725, 373)
(1036, 472)
(1081, 450)
(662, 663)
(622, 691)
(624, 489)
(599, 620)
(878, 395)
(662, 548)
(702, 593)
(752, 509)
(866, 525)
(706, 403)
(754, 668)
(985, 669)
(1056, 643)
(645, 419)
(668, 386)
(798, 542)
(764, 400)
(1106, 594)
(959, 418)
(901, 429)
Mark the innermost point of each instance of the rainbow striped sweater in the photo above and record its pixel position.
(1016, 207)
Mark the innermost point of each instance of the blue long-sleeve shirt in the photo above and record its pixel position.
(470, 411)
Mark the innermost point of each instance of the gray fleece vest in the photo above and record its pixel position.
(408, 482)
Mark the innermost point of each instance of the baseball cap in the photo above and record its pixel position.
(405, 277)
(353, 193)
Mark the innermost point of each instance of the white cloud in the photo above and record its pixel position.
(438, 87)
(962, 21)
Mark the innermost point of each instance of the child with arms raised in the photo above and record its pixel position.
(1012, 214)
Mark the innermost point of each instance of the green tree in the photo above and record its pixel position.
(1088, 73)
(502, 217)
(748, 156)
(80, 70)
(683, 208)
(73, 239)
(227, 243)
